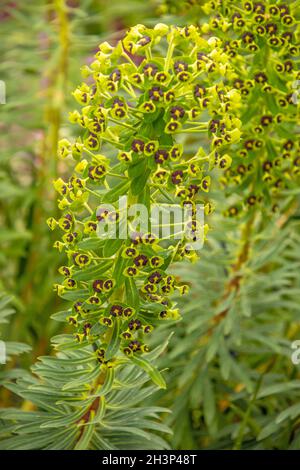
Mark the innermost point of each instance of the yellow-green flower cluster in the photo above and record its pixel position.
(138, 100)
(262, 40)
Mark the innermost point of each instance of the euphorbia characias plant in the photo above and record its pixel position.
(137, 102)
(160, 111)
(262, 40)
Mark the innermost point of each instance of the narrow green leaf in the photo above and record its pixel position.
(117, 191)
(152, 371)
(132, 293)
(114, 343)
(92, 272)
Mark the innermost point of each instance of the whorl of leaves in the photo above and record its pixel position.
(71, 404)
(233, 383)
